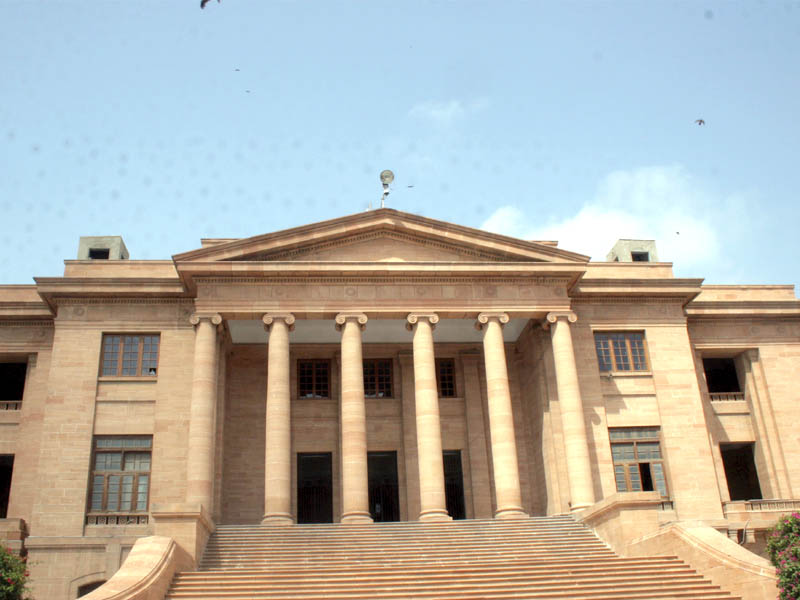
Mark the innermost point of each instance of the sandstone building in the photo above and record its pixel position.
(385, 367)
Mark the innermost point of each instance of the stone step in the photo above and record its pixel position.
(401, 559)
(495, 564)
(348, 581)
(369, 546)
(546, 557)
(473, 590)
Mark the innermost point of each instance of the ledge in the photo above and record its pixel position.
(147, 572)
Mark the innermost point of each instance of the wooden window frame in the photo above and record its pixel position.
(630, 355)
(118, 516)
(376, 380)
(120, 354)
(314, 387)
(441, 385)
(637, 436)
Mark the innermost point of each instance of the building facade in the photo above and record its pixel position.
(377, 367)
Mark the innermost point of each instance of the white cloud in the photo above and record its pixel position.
(445, 113)
(662, 203)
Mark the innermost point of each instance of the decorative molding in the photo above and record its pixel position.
(555, 315)
(483, 319)
(342, 318)
(270, 318)
(295, 253)
(137, 300)
(412, 319)
(48, 323)
(215, 318)
(365, 280)
(628, 300)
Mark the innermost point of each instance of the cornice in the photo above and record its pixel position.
(744, 309)
(30, 323)
(266, 280)
(600, 299)
(72, 300)
(314, 246)
(683, 289)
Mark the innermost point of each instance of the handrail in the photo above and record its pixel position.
(726, 396)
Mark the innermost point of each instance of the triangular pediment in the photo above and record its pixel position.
(383, 235)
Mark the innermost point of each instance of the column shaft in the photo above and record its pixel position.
(278, 448)
(576, 447)
(200, 458)
(501, 420)
(433, 505)
(355, 477)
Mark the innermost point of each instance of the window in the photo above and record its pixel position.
(446, 377)
(378, 377)
(120, 481)
(722, 379)
(130, 355)
(12, 384)
(99, 253)
(313, 378)
(640, 256)
(638, 464)
(621, 351)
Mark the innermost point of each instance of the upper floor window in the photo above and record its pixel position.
(638, 463)
(446, 377)
(378, 377)
(621, 351)
(130, 355)
(120, 482)
(313, 378)
(12, 384)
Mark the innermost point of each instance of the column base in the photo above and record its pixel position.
(435, 514)
(356, 517)
(277, 519)
(513, 512)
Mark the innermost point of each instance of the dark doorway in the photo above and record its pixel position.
(384, 499)
(454, 484)
(6, 468)
(314, 487)
(740, 471)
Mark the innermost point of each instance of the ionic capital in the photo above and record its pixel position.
(215, 318)
(413, 318)
(343, 317)
(485, 317)
(269, 318)
(554, 316)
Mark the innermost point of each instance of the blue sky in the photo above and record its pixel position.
(574, 121)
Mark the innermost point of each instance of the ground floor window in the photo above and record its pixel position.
(120, 482)
(638, 462)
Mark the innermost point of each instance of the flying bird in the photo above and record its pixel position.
(204, 2)
(700, 122)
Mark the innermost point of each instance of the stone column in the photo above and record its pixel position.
(278, 452)
(353, 416)
(576, 447)
(200, 456)
(501, 420)
(476, 432)
(433, 505)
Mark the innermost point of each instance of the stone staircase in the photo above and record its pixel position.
(548, 557)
